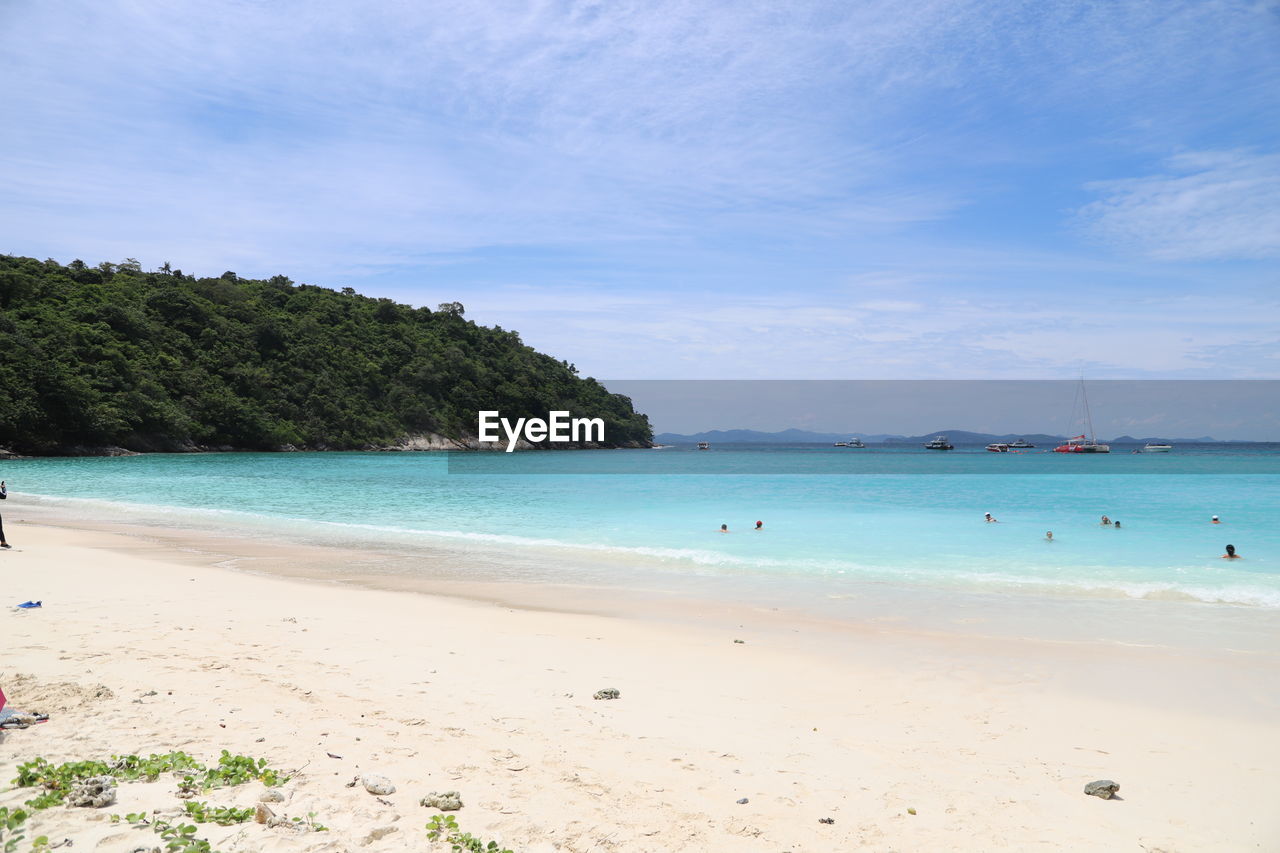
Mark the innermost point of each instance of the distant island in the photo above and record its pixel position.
(958, 436)
(110, 359)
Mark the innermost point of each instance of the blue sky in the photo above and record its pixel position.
(658, 190)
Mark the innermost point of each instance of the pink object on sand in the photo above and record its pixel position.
(1, 700)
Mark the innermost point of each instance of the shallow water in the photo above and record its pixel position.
(835, 518)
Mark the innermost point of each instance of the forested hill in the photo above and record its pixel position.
(113, 356)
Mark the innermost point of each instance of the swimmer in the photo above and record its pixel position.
(1116, 525)
(1048, 536)
(1215, 520)
(1231, 554)
(1105, 521)
(990, 519)
(724, 528)
(759, 525)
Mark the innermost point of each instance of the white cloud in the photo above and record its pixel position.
(652, 187)
(1208, 205)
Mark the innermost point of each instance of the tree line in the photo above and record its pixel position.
(111, 355)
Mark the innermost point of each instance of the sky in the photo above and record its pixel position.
(688, 190)
(1240, 410)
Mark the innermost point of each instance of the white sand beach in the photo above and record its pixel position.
(143, 646)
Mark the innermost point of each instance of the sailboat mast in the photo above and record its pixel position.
(1088, 416)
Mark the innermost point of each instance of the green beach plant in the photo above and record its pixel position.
(445, 828)
(56, 780)
(11, 828)
(222, 815)
(178, 837)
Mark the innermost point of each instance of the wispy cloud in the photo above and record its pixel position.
(1207, 205)
(760, 190)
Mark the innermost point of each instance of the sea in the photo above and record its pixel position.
(843, 530)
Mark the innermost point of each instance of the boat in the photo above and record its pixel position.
(999, 447)
(1079, 443)
(939, 442)
(1022, 444)
(1157, 448)
(704, 445)
(853, 442)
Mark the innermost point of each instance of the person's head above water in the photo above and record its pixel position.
(1048, 535)
(1115, 524)
(759, 524)
(724, 528)
(1231, 553)
(1215, 520)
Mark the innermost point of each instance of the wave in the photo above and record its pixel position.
(690, 560)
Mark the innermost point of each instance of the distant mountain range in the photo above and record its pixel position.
(957, 436)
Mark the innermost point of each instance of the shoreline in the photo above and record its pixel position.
(989, 738)
(604, 582)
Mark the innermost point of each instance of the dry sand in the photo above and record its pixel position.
(142, 647)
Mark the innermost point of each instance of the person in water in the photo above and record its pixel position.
(759, 525)
(724, 528)
(1048, 536)
(990, 519)
(4, 493)
(1105, 521)
(1215, 520)
(1116, 525)
(1231, 553)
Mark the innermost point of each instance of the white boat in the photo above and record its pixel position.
(1079, 443)
(1157, 448)
(999, 447)
(704, 445)
(939, 442)
(853, 442)
(1022, 444)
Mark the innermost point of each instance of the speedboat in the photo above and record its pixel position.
(1022, 444)
(939, 443)
(999, 447)
(1157, 448)
(704, 445)
(853, 442)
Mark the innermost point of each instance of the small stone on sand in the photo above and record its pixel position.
(449, 801)
(1104, 788)
(377, 785)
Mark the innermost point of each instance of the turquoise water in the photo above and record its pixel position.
(843, 518)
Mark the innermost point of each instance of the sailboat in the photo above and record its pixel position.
(1079, 443)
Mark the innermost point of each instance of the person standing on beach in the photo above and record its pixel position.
(4, 494)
